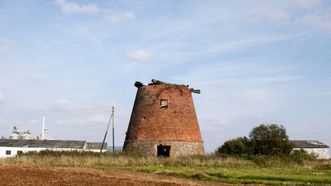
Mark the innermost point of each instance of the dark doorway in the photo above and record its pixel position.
(163, 150)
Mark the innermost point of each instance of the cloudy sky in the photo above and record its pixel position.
(256, 61)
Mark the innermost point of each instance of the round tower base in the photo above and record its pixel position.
(174, 148)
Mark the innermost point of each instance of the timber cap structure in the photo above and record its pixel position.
(164, 120)
(158, 82)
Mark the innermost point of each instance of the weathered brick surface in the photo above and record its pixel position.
(150, 124)
(177, 148)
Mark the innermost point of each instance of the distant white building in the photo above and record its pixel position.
(24, 134)
(12, 147)
(313, 147)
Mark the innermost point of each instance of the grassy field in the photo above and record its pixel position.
(207, 169)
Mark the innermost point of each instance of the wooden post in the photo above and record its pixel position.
(113, 127)
(104, 138)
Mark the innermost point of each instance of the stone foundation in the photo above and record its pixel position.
(177, 148)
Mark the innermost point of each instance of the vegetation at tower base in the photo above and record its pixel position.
(264, 141)
(163, 121)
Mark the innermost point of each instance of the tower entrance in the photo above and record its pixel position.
(163, 150)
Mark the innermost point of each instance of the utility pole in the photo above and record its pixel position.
(104, 138)
(113, 127)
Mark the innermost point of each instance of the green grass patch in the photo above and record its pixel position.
(272, 171)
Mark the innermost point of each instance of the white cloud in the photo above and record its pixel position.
(316, 21)
(64, 105)
(308, 3)
(270, 14)
(5, 45)
(257, 95)
(140, 55)
(2, 120)
(242, 43)
(98, 118)
(1, 97)
(116, 17)
(73, 113)
(71, 122)
(69, 7)
(84, 120)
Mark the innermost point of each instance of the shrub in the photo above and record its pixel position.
(238, 146)
(299, 156)
(269, 140)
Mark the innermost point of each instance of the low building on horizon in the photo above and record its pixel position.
(12, 147)
(312, 147)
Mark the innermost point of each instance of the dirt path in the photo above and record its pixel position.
(31, 175)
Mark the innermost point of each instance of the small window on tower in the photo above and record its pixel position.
(164, 104)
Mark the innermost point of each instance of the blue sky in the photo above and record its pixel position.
(255, 62)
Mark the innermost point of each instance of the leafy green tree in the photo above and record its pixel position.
(270, 140)
(265, 139)
(238, 146)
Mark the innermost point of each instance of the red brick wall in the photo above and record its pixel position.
(149, 122)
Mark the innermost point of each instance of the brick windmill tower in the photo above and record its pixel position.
(163, 121)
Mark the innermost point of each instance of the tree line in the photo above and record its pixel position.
(265, 140)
